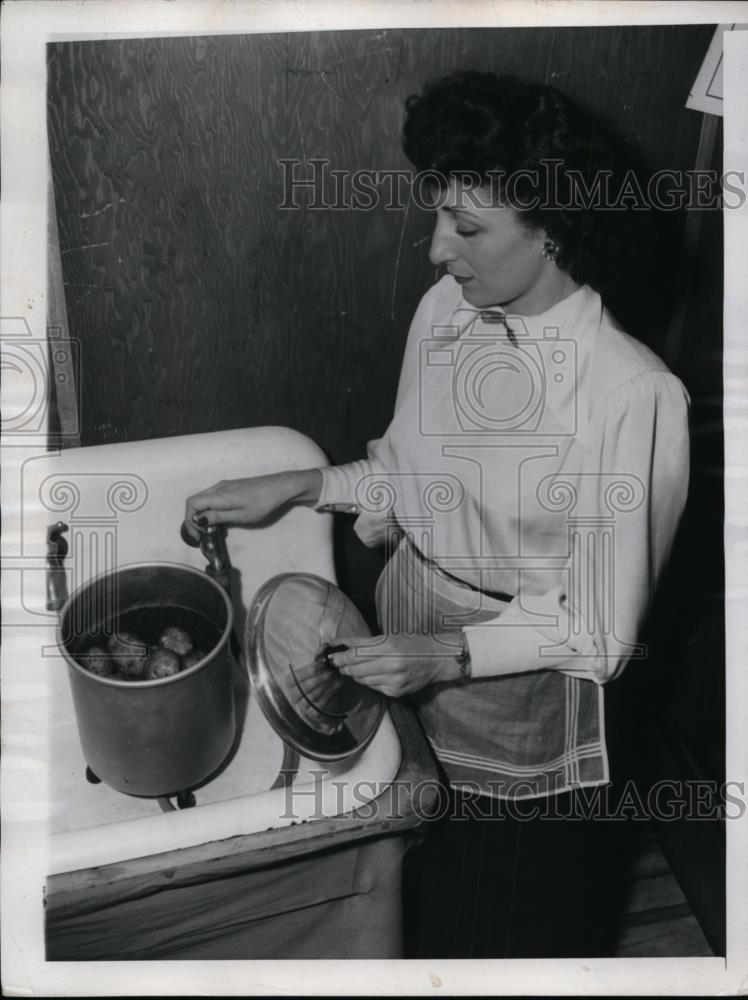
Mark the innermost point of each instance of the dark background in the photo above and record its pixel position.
(200, 306)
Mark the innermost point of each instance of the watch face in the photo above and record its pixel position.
(294, 620)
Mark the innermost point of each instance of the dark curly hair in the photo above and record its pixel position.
(496, 126)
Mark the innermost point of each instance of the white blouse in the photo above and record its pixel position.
(544, 457)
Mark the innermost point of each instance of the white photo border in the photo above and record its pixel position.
(26, 28)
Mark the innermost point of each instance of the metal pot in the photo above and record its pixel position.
(158, 737)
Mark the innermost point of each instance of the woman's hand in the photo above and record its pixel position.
(399, 664)
(250, 501)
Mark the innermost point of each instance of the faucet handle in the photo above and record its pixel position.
(57, 546)
(57, 549)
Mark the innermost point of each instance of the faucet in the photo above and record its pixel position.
(57, 549)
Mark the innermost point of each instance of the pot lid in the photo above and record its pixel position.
(293, 620)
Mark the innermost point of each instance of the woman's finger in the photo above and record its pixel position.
(360, 649)
(200, 519)
(367, 672)
(383, 685)
(210, 517)
(190, 528)
(196, 505)
(218, 497)
(307, 671)
(358, 640)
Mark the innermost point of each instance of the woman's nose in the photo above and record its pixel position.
(440, 251)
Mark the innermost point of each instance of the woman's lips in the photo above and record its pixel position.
(461, 279)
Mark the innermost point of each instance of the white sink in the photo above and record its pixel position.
(124, 504)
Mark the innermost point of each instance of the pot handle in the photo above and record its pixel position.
(57, 549)
(212, 544)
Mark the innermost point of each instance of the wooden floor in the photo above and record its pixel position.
(657, 922)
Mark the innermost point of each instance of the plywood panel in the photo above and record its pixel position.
(172, 254)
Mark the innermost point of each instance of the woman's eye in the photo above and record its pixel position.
(466, 232)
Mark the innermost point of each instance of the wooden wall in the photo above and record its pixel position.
(201, 306)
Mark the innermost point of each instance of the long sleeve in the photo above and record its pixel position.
(623, 513)
(344, 487)
(340, 483)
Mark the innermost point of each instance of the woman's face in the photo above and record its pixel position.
(491, 254)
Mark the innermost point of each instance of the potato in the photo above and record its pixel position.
(129, 654)
(97, 662)
(163, 663)
(176, 639)
(192, 658)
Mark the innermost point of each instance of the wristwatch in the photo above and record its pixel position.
(463, 659)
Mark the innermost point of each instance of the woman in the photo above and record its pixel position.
(532, 477)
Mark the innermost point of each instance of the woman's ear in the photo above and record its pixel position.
(550, 249)
(537, 237)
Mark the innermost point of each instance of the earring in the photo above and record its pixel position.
(551, 249)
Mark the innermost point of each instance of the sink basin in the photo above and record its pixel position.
(124, 504)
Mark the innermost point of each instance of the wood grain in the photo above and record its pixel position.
(62, 426)
(165, 240)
